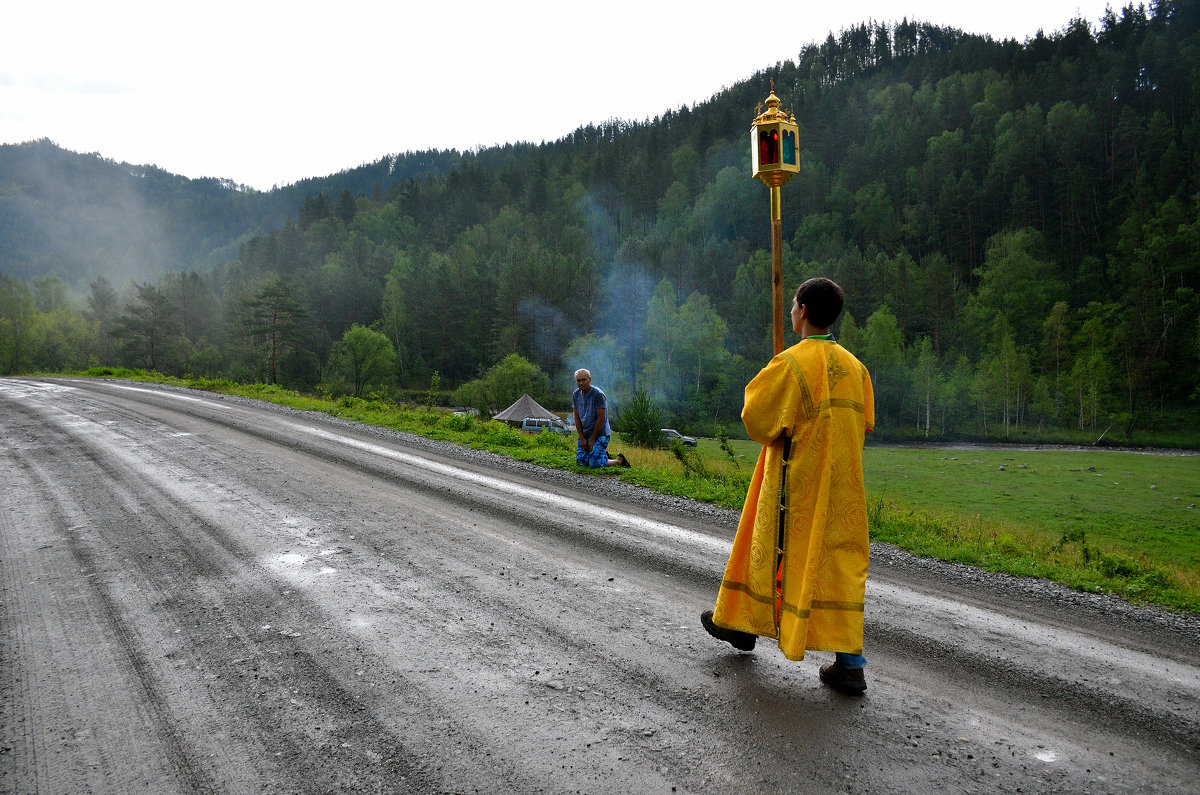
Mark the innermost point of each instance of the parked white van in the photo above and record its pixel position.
(538, 424)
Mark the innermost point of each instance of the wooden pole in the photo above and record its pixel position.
(777, 267)
(777, 328)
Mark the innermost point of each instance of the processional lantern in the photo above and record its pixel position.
(774, 138)
(774, 159)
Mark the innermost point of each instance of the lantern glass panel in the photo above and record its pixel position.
(789, 147)
(768, 147)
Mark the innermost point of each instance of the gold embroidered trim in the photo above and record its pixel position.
(848, 607)
(834, 371)
(788, 607)
(841, 607)
(743, 588)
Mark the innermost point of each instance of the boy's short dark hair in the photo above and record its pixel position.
(822, 300)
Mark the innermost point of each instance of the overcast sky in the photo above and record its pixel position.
(267, 93)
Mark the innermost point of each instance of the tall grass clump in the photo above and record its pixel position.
(460, 423)
(499, 434)
(693, 463)
(727, 448)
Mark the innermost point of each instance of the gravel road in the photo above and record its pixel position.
(206, 594)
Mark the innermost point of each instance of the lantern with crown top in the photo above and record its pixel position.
(774, 136)
(774, 159)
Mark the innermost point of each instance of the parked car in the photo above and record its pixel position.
(671, 435)
(538, 424)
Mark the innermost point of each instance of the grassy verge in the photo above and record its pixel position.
(1106, 521)
(1096, 521)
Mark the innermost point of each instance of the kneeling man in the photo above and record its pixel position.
(591, 424)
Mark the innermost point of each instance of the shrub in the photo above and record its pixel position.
(1116, 565)
(362, 359)
(692, 461)
(500, 434)
(503, 383)
(435, 386)
(641, 421)
(552, 440)
(723, 440)
(459, 422)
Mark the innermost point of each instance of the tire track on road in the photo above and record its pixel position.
(413, 610)
(185, 565)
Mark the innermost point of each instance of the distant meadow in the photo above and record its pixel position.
(1099, 520)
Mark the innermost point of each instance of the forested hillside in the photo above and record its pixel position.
(76, 217)
(1016, 226)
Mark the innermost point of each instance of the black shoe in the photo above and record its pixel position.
(850, 681)
(743, 641)
(622, 460)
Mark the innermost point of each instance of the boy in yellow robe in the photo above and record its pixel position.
(798, 568)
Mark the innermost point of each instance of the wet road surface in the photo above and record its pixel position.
(205, 594)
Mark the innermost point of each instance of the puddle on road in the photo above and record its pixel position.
(293, 566)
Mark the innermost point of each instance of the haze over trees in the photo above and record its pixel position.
(1017, 226)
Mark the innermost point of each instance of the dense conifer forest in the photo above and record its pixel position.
(1016, 225)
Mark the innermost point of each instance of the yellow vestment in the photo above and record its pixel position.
(818, 394)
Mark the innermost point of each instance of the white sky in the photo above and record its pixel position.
(267, 93)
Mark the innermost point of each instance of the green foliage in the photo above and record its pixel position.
(224, 385)
(601, 355)
(499, 435)
(726, 447)
(274, 317)
(690, 459)
(462, 423)
(641, 421)
(994, 546)
(1015, 224)
(1015, 282)
(1108, 517)
(115, 372)
(150, 330)
(99, 212)
(883, 354)
(503, 384)
(362, 359)
(551, 440)
(16, 321)
(435, 386)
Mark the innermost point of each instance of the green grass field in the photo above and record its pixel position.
(1137, 503)
(1102, 521)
